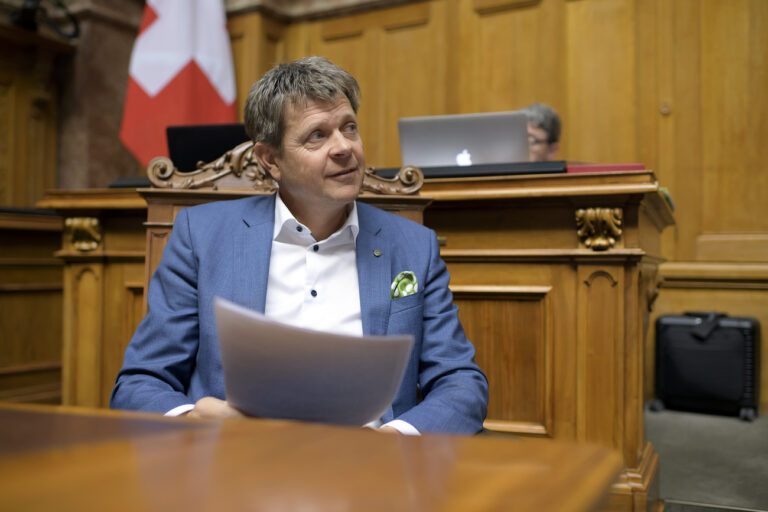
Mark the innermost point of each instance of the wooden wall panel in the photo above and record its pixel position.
(510, 54)
(600, 55)
(257, 45)
(734, 118)
(669, 111)
(408, 75)
(30, 308)
(511, 329)
(28, 117)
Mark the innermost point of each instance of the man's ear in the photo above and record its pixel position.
(266, 156)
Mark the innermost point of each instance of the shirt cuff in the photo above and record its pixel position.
(178, 411)
(403, 427)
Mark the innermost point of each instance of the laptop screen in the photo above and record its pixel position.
(190, 144)
(464, 140)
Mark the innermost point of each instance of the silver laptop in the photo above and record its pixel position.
(464, 139)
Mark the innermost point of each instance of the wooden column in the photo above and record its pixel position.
(103, 254)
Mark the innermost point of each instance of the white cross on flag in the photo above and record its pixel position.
(181, 73)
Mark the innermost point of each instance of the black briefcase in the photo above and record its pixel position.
(708, 362)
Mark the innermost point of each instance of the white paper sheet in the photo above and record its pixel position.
(273, 370)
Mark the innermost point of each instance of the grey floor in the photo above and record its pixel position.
(710, 462)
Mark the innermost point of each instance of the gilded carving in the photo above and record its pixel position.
(237, 168)
(599, 228)
(84, 233)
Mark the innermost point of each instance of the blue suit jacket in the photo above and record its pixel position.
(223, 249)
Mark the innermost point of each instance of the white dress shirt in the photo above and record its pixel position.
(314, 284)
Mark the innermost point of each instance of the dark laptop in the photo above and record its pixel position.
(190, 144)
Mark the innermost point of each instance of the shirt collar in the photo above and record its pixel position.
(289, 230)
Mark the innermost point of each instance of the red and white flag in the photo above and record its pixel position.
(181, 73)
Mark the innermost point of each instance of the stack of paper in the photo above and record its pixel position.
(277, 371)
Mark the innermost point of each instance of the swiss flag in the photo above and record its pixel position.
(181, 73)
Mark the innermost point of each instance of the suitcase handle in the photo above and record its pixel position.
(709, 321)
(704, 314)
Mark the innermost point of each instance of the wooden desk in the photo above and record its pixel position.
(554, 277)
(559, 318)
(104, 460)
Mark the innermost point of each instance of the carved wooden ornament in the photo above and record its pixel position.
(84, 233)
(599, 228)
(237, 168)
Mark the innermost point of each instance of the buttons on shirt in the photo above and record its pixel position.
(313, 293)
(299, 229)
(315, 247)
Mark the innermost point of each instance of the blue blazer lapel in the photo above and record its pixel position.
(252, 249)
(373, 274)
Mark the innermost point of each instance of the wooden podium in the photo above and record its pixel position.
(554, 276)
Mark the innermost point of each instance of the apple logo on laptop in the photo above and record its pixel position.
(464, 159)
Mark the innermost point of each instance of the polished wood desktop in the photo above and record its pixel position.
(79, 459)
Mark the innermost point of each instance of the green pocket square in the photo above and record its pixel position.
(404, 284)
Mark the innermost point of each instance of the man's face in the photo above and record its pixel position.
(320, 166)
(539, 149)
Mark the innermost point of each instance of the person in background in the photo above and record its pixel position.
(543, 132)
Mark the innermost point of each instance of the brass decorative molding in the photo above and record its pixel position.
(599, 228)
(84, 233)
(238, 169)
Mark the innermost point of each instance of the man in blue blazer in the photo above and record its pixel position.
(309, 256)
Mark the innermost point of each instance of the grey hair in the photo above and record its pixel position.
(292, 83)
(544, 117)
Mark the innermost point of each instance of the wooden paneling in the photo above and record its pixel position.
(30, 308)
(28, 116)
(600, 114)
(734, 116)
(515, 356)
(509, 54)
(600, 320)
(257, 45)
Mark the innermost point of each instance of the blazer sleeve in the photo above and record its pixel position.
(453, 387)
(160, 358)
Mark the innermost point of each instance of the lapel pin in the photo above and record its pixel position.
(376, 252)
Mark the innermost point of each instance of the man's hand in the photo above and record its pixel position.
(209, 407)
